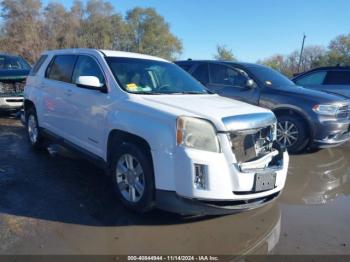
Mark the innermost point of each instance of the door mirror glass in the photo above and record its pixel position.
(89, 81)
(250, 83)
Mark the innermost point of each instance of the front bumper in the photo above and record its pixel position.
(331, 133)
(11, 103)
(171, 202)
(228, 188)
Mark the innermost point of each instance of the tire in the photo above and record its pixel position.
(35, 137)
(292, 133)
(132, 173)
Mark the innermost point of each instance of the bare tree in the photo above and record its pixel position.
(22, 28)
(223, 53)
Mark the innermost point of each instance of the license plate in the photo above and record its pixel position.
(264, 181)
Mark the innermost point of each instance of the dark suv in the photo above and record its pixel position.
(13, 72)
(305, 117)
(335, 79)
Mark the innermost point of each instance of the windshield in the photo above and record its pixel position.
(142, 76)
(13, 63)
(270, 77)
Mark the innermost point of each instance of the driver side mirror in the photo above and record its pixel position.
(250, 83)
(91, 82)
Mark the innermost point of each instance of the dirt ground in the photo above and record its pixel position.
(56, 203)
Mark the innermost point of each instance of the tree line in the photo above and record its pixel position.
(336, 53)
(28, 28)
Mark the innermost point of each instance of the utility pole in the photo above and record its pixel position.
(301, 53)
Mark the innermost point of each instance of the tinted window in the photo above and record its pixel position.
(185, 67)
(337, 78)
(224, 75)
(269, 77)
(13, 63)
(315, 78)
(201, 73)
(87, 66)
(61, 68)
(144, 76)
(37, 65)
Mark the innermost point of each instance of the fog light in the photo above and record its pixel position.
(201, 176)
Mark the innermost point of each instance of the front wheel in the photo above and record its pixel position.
(133, 177)
(292, 133)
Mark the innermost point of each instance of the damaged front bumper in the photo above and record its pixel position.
(250, 171)
(11, 96)
(229, 187)
(172, 202)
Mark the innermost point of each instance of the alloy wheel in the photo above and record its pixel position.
(33, 130)
(130, 178)
(287, 133)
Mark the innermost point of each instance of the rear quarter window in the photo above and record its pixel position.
(61, 68)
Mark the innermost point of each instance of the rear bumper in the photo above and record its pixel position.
(170, 201)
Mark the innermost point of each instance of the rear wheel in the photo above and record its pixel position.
(34, 134)
(292, 133)
(133, 177)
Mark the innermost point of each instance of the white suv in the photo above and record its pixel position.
(162, 137)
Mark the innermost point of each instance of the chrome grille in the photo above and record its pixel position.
(9, 89)
(344, 112)
(248, 145)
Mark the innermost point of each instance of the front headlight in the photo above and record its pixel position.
(328, 110)
(196, 133)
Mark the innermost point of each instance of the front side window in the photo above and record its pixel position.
(13, 63)
(61, 68)
(87, 66)
(337, 78)
(152, 77)
(269, 77)
(224, 75)
(315, 78)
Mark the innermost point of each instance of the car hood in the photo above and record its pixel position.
(215, 108)
(13, 75)
(343, 93)
(314, 95)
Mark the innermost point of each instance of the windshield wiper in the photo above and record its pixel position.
(188, 93)
(146, 93)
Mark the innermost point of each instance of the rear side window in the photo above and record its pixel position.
(316, 78)
(201, 73)
(61, 68)
(185, 67)
(337, 78)
(37, 65)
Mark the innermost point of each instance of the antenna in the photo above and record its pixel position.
(301, 52)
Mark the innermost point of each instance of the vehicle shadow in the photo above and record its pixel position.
(59, 186)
